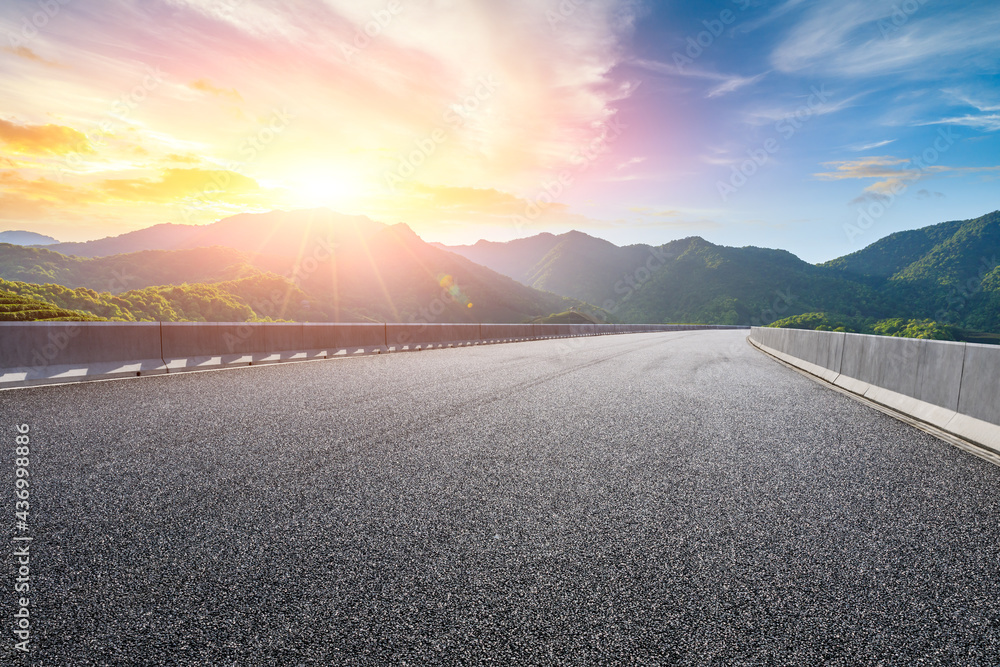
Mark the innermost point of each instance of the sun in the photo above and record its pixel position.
(323, 187)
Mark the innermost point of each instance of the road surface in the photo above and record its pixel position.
(672, 498)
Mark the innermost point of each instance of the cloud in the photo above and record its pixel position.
(178, 158)
(867, 167)
(734, 83)
(774, 14)
(866, 38)
(893, 174)
(861, 148)
(630, 162)
(727, 83)
(555, 80)
(972, 100)
(179, 184)
(867, 197)
(43, 139)
(205, 86)
(42, 189)
(28, 54)
(813, 105)
(34, 198)
(923, 193)
(987, 122)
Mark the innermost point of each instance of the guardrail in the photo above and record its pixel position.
(49, 352)
(952, 386)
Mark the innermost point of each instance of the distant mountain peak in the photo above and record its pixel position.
(279, 232)
(21, 237)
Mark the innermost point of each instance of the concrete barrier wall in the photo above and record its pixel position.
(282, 339)
(953, 386)
(407, 336)
(322, 339)
(549, 330)
(62, 343)
(46, 352)
(979, 397)
(35, 352)
(503, 332)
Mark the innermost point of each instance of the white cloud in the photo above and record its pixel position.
(871, 38)
(807, 108)
(734, 83)
(727, 82)
(987, 122)
(861, 148)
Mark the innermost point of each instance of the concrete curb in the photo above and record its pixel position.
(924, 380)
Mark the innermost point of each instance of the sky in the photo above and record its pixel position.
(817, 126)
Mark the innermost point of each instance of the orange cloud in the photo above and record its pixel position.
(182, 159)
(868, 167)
(43, 139)
(206, 87)
(22, 197)
(177, 184)
(893, 173)
(28, 54)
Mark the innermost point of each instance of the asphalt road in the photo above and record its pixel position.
(669, 498)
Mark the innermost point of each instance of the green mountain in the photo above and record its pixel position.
(690, 280)
(936, 281)
(947, 272)
(573, 264)
(17, 308)
(343, 272)
(119, 273)
(393, 275)
(940, 281)
(705, 283)
(947, 252)
(170, 303)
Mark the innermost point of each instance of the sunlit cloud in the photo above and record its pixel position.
(892, 175)
(42, 139)
(42, 191)
(177, 184)
(28, 54)
(456, 115)
(206, 87)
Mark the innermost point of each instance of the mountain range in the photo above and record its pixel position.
(343, 268)
(320, 266)
(18, 237)
(688, 280)
(945, 272)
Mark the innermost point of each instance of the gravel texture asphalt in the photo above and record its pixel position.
(673, 498)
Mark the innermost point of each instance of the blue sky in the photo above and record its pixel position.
(879, 116)
(815, 126)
